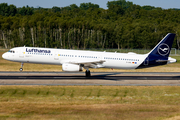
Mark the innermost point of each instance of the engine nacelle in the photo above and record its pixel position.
(71, 67)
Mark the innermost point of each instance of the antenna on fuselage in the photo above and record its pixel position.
(24, 46)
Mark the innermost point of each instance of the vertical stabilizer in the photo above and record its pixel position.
(160, 53)
(163, 48)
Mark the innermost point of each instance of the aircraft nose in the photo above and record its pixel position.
(4, 56)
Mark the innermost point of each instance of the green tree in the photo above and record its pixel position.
(86, 6)
(56, 9)
(25, 10)
(122, 3)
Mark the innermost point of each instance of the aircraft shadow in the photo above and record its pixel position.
(93, 77)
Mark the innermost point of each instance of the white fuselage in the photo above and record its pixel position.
(61, 56)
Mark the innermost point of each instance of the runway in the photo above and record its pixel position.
(97, 78)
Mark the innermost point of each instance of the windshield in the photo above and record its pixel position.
(11, 51)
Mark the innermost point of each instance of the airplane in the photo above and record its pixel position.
(76, 60)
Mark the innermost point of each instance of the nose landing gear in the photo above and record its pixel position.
(21, 69)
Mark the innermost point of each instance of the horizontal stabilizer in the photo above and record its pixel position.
(162, 61)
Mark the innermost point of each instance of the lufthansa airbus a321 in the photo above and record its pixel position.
(76, 60)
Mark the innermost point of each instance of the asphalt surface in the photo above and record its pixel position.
(97, 78)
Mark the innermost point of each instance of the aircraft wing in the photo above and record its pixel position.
(89, 64)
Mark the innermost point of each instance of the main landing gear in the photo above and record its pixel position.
(21, 69)
(88, 73)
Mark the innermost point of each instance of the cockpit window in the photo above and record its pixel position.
(11, 51)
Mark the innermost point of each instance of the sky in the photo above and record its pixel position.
(166, 4)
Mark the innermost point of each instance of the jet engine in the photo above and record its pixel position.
(71, 67)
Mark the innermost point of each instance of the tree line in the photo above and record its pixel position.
(122, 25)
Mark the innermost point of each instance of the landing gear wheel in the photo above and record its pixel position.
(21, 69)
(88, 73)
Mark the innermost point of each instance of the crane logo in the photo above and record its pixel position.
(163, 49)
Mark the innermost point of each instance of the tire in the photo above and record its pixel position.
(21, 69)
(88, 73)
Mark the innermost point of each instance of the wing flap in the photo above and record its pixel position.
(90, 64)
(87, 62)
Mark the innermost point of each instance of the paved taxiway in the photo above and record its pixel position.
(97, 78)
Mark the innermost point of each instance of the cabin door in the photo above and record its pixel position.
(56, 56)
(21, 53)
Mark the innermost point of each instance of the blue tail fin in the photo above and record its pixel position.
(160, 53)
(163, 48)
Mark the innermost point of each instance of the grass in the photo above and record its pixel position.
(89, 102)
